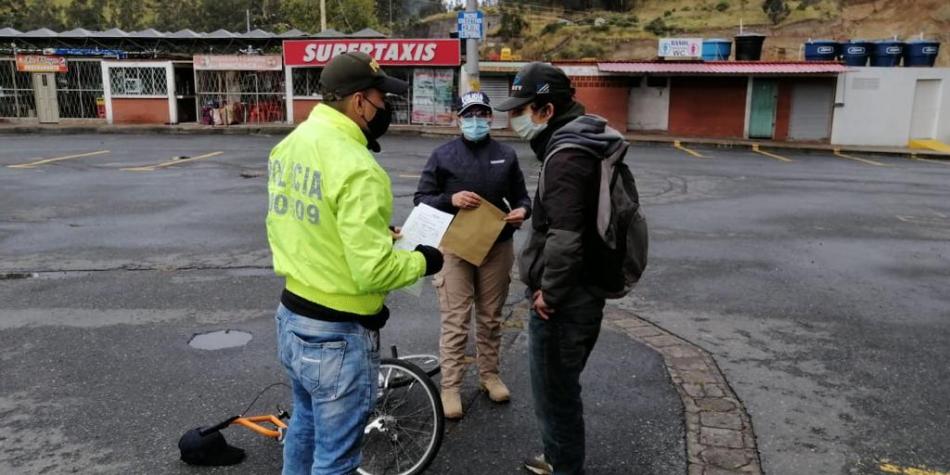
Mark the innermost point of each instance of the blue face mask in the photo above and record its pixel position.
(474, 128)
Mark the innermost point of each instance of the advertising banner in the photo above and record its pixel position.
(421, 52)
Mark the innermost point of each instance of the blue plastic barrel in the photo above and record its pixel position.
(856, 52)
(921, 53)
(887, 53)
(716, 49)
(821, 50)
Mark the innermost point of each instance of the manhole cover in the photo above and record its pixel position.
(220, 339)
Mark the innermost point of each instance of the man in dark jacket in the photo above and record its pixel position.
(563, 263)
(460, 175)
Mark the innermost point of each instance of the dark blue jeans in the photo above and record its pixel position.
(333, 367)
(558, 351)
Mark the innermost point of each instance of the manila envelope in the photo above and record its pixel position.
(473, 232)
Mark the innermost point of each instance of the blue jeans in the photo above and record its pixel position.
(333, 368)
(557, 353)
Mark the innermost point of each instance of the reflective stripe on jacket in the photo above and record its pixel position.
(328, 216)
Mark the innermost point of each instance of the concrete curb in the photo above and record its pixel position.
(719, 435)
(282, 129)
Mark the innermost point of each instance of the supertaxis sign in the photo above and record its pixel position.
(421, 52)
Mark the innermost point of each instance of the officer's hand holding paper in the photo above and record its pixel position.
(426, 226)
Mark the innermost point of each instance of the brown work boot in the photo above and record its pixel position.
(497, 391)
(451, 404)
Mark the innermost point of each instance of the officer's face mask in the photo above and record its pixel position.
(474, 128)
(377, 126)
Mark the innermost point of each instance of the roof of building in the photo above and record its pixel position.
(293, 33)
(258, 33)
(722, 67)
(367, 33)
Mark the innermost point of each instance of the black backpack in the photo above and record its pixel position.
(620, 222)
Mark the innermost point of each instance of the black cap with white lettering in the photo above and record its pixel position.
(534, 80)
(356, 71)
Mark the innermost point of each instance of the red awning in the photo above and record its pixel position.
(723, 67)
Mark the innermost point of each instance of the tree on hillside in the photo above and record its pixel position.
(777, 10)
(11, 13)
(88, 14)
(128, 15)
(174, 15)
(512, 23)
(342, 15)
(40, 14)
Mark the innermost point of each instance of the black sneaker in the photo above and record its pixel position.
(538, 465)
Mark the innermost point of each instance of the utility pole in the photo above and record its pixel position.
(247, 16)
(471, 52)
(323, 15)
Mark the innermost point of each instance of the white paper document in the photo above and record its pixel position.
(425, 225)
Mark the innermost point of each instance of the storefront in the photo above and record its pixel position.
(428, 65)
(758, 100)
(239, 89)
(48, 88)
(140, 92)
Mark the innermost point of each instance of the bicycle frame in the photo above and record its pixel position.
(254, 423)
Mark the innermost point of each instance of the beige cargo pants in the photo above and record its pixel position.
(461, 287)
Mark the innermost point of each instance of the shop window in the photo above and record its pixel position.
(16, 92)
(236, 97)
(138, 81)
(433, 96)
(79, 91)
(306, 82)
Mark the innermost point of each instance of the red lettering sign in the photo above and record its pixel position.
(443, 52)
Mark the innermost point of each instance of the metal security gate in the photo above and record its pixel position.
(79, 90)
(497, 90)
(16, 92)
(240, 97)
(812, 104)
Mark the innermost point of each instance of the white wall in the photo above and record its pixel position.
(874, 106)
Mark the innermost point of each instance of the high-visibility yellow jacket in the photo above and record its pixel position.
(328, 217)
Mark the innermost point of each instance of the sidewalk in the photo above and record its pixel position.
(97, 127)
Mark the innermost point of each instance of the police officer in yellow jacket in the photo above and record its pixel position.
(329, 211)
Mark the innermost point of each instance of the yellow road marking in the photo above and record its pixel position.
(56, 159)
(677, 145)
(838, 154)
(151, 168)
(887, 467)
(755, 148)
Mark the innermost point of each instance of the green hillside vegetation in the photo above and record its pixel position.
(536, 31)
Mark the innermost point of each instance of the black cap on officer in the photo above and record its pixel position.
(356, 71)
(534, 80)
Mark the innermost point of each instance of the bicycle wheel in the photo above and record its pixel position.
(405, 431)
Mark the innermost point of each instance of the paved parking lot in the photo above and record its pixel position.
(819, 282)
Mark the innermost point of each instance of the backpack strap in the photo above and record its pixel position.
(607, 172)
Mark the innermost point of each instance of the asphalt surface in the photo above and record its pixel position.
(106, 275)
(820, 286)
